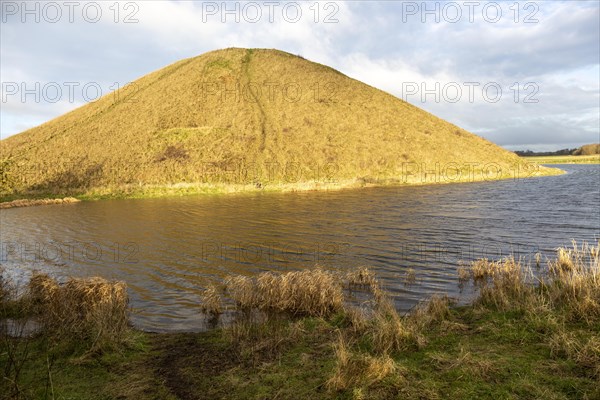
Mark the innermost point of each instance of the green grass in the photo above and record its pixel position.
(587, 159)
(490, 355)
(52, 370)
(242, 119)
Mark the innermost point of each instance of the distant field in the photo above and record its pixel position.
(593, 159)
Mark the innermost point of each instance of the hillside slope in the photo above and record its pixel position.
(244, 119)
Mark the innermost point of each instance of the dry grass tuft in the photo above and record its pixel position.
(346, 370)
(483, 269)
(503, 284)
(390, 333)
(465, 361)
(564, 262)
(538, 259)
(562, 344)
(464, 275)
(588, 356)
(312, 292)
(5, 289)
(585, 353)
(258, 335)
(242, 290)
(43, 289)
(571, 283)
(211, 301)
(433, 311)
(379, 367)
(410, 277)
(362, 277)
(438, 307)
(574, 282)
(354, 369)
(91, 309)
(357, 318)
(318, 293)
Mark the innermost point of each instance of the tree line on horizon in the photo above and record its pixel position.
(585, 150)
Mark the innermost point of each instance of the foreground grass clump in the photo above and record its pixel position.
(91, 310)
(354, 369)
(49, 324)
(574, 282)
(529, 333)
(570, 283)
(502, 284)
(310, 292)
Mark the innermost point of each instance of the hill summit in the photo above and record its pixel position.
(245, 119)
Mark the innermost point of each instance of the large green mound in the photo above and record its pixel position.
(245, 119)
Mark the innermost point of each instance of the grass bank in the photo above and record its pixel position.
(414, 177)
(296, 336)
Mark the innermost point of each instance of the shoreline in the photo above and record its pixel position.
(218, 189)
(37, 202)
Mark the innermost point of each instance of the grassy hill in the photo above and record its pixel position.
(244, 119)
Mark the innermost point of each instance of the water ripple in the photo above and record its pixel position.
(167, 250)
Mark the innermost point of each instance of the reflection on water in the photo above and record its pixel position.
(168, 249)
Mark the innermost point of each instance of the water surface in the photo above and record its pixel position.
(168, 249)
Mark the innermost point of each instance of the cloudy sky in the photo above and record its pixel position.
(525, 75)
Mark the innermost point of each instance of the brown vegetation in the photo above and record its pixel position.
(37, 202)
(313, 292)
(91, 310)
(211, 301)
(354, 369)
(570, 282)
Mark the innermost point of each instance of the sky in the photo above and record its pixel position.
(525, 75)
